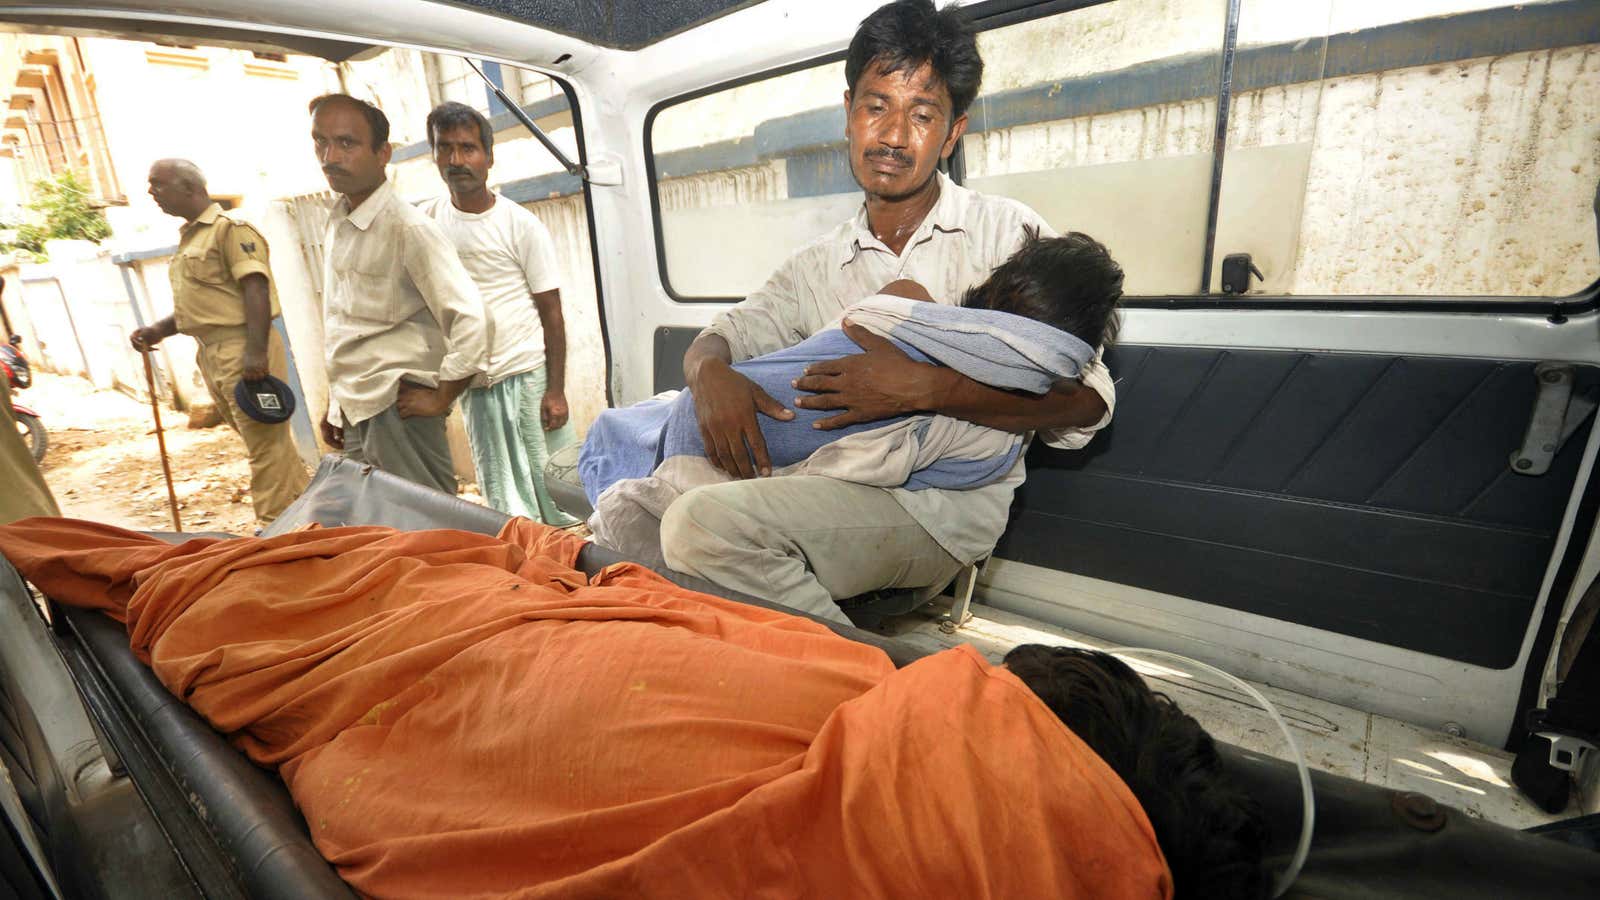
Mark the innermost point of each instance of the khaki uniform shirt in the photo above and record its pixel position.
(396, 304)
(214, 252)
(962, 239)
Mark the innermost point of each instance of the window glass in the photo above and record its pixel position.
(1103, 120)
(1413, 147)
(756, 171)
(762, 168)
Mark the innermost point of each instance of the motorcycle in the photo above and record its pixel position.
(20, 375)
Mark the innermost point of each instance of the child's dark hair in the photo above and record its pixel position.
(1070, 282)
(1211, 832)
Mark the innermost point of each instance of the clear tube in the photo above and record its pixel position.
(1307, 802)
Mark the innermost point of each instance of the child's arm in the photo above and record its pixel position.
(884, 382)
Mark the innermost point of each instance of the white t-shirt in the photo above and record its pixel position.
(509, 254)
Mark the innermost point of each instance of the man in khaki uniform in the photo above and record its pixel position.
(223, 297)
(24, 492)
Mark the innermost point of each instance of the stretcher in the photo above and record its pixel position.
(210, 823)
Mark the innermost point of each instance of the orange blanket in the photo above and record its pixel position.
(465, 716)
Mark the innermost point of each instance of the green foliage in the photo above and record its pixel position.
(63, 208)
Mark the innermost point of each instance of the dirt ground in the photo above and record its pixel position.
(103, 463)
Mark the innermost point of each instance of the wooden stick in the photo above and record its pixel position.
(161, 441)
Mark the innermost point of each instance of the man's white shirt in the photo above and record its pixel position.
(397, 304)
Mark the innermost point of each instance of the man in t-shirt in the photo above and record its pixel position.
(520, 416)
(809, 541)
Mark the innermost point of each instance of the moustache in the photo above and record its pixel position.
(453, 171)
(333, 170)
(891, 154)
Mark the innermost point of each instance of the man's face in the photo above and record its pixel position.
(167, 190)
(343, 141)
(462, 160)
(900, 125)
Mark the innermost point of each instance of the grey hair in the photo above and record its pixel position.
(187, 173)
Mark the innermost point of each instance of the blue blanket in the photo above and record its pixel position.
(998, 349)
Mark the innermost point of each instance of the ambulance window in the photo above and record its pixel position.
(1415, 147)
(745, 176)
(1103, 120)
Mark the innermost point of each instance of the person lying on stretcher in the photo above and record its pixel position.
(1039, 318)
(464, 715)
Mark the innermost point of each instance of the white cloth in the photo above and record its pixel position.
(961, 240)
(396, 303)
(510, 256)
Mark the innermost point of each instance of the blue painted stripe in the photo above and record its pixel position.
(492, 71)
(541, 187)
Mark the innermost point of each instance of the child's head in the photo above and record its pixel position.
(1070, 282)
(1211, 831)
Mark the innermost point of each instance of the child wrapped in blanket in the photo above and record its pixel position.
(1039, 318)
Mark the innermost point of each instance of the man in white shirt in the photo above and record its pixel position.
(404, 328)
(520, 416)
(809, 541)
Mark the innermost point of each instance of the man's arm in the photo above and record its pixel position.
(883, 382)
(726, 404)
(257, 324)
(245, 252)
(451, 296)
(537, 256)
(145, 339)
(553, 408)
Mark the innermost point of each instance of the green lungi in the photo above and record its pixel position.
(510, 446)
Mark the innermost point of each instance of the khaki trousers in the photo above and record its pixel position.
(277, 476)
(805, 541)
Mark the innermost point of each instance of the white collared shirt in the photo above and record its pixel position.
(961, 240)
(397, 304)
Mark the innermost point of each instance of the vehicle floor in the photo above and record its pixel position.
(1375, 749)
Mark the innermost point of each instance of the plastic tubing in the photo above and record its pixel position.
(1307, 802)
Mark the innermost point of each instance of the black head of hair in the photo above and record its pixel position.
(1070, 282)
(377, 122)
(907, 33)
(451, 114)
(1211, 832)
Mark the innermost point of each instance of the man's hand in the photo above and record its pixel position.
(726, 404)
(880, 383)
(332, 435)
(553, 410)
(416, 400)
(145, 339)
(255, 363)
